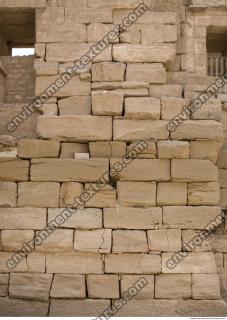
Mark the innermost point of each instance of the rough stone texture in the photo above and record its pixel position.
(179, 286)
(13, 240)
(142, 108)
(105, 198)
(129, 281)
(23, 308)
(14, 170)
(129, 241)
(173, 149)
(171, 193)
(68, 192)
(204, 287)
(103, 286)
(152, 73)
(107, 149)
(108, 71)
(93, 241)
(207, 193)
(68, 286)
(58, 241)
(68, 150)
(8, 194)
(205, 150)
(77, 105)
(164, 240)
(107, 103)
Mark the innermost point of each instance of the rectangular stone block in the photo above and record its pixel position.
(223, 178)
(129, 241)
(68, 170)
(88, 15)
(223, 202)
(133, 263)
(179, 286)
(132, 218)
(143, 170)
(13, 240)
(68, 192)
(148, 72)
(23, 3)
(211, 110)
(131, 35)
(171, 193)
(14, 170)
(207, 150)
(129, 281)
(4, 279)
(149, 153)
(222, 162)
(189, 217)
(22, 218)
(136, 194)
(78, 263)
(6, 266)
(207, 193)
(43, 68)
(8, 194)
(68, 286)
(219, 243)
(68, 150)
(82, 219)
(77, 105)
(108, 71)
(113, 4)
(75, 128)
(169, 90)
(204, 287)
(107, 149)
(105, 198)
(189, 235)
(58, 241)
(171, 149)
(103, 286)
(142, 108)
(193, 170)
(144, 53)
(96, 32)
(107, 103)
(164, 240)
(171, 107)
(30, 286)
(38, 194)
(154, 33)
(93, 241)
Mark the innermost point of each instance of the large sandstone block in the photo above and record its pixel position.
(96, 31)
(211, 110)
(134, 194)
(38, 194)
(168, 90)
(148, 72)
(129, 281)
(149, 153)
(4, 280)
(193, 170)
(68, 150)
(164, 240)
(131, 35)
(8, 194)
(78, 263)
(77, 105)
(68, 170)
(219, 243)
(158, 33)
(132, 263)
(171, 193)
(108, 71)
(93, 240)
(107, 149)
(82, 219)
(129, 241)
(179, 286)
(144, 170)
(13, 240)
(14, 170)
(142, 108)
(30, 286)
(188, 235)
(132, 218)
(204, 287)
(171, 107)
(75, 128)
(107, 103)
(171, 149)
(207, 193)
(68, 192)
(113, 3)
(58, 241)
(23, 3)
(189, 217)
(103, 286)
(222, 159)
(144, 53)
(22, 218)
(23, 308)
(68, 286)
(105, 198)
(88, 15)
(19, 267)
(130, 130)
(207, 150)
(38, 148)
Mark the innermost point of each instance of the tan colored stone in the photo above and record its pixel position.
(107, 149)
(113, 4)
(108, 71)
(8, 194)
(23, 3)
(223, 178)
(154, 33)
(13, 240)
(189, 217)
(103, 286)
(4, 279)
(14, 170)
(132, 218)
(77, 105)
(169, 90)
(222, 159)
(43, 68)
(76, 128)
(40, 50)
(164, 240)
(88, 15)
(145, 283)
(205, 287)
(205, 150)
(49, 109)
(107, 103)
(203, 193)
(68, 170)
(141, 194)
(219, 243)
(132, 263)
(23, 308)
(38, 148)
(96, 31)
(223, 202)
(58, 241)
(142, 108)
(171, 149)
(69, 149)
(38, 194)
(93, 240)
(68, 192)
(149, 153)
(189, 235)
(148, 72)
(131, 35)
(30, 286)
(68, 286)
(105, 198)
(22, 218)
(171, 193)
(179, 286)
(211, 110)
(171, 107)
(129, 241)
(36, 262)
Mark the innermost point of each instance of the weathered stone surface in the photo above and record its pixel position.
(77, 105)
(23, 3)
(69, 149)
(68, 192)
(93, 240)
(145, 53)
(203, 193)
(43, 68)
(82, 219)
(152, 73)
(107, 149)
(193, 170)
(150, 152)
(223, 178)
(147, 292)
(205, 150)
(189, 217)
(38, 194)
(141, 194)
(171, 107)
(40, 50)
(171, 193)
(132, 218)
(58, 241)
(8, 194)
(132, 263)
(75, 128)
(129, 241)
(96, 31)
(171, 149)
(78, 263)
(222, 162)
(223, 202)
(30, 286)
(68, 170)
(108, 71)
(169, 90)
(22, 308)
(131, 35)
(158, 33)
(211, 110)
(179, 286)
(204, 287)
(164, 240)
(103, 286)
(68, 286)
(144, 170)
(13, 240)
(14, 170)
(129, 130)
(22, 218)
(107, 103)
(113, 4)
(219, 243)
(142, 108)
(189, 235)
(8, 141)
(4, 279)
(105, 198)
